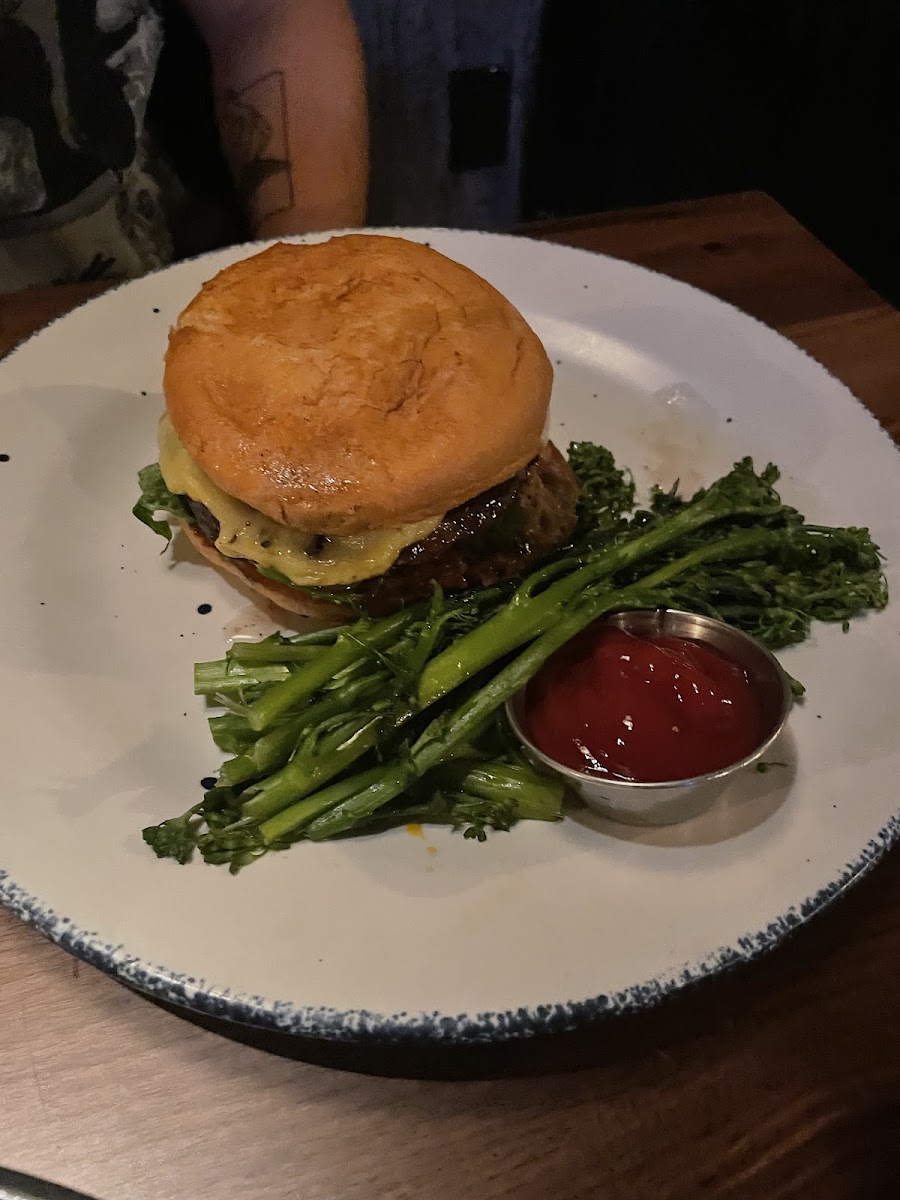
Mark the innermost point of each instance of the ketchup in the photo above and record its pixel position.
(646, 709)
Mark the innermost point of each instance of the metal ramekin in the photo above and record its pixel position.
(672, 801)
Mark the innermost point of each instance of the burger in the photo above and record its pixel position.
(358, 419)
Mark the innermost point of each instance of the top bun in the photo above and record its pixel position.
(357, 383)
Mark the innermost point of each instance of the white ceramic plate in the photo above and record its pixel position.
(398, 936)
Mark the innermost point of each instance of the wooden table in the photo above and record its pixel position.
(779, 1081)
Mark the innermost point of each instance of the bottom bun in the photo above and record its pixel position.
(290, 599)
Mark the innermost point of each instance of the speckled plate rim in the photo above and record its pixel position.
(330, 1024)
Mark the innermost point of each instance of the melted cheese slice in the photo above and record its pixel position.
(299, 556)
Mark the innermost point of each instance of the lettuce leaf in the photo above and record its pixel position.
(341, 593)
(156, 498)
(274, 573)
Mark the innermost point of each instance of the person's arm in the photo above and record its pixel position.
(291, 103)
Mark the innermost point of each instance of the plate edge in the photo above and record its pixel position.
(329, 1024)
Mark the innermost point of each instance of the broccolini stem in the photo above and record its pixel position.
(267, 753)
(534, 796)
(305, 773)
(251, 654)
(231, 733)
(526, 615)
(295, 817)
(348, 648)
(274, 748)
(537, 797)
(316, 637)
(443, 734)
(441, 737)
(375, 789)
(221, 677)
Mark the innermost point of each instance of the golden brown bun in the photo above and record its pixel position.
(363, 382)
(290, 599)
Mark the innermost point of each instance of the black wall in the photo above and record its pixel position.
(646, 101)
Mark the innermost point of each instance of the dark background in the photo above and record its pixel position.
(649, 101)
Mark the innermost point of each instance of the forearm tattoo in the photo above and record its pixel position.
(255, 130)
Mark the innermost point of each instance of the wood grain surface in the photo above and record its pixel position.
(779, 1081)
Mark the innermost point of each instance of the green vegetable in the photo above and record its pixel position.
(156, 498)
(607, 492)
(274, 650)
(227, 675)
(354, 645)
(274, 573)
(230, 733)
(401, 719)
(177, 837)
(739, 495)
(492, 795)
(341, 594)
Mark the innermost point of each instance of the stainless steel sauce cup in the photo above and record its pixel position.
(671, 801)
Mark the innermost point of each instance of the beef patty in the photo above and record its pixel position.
(493, 537)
